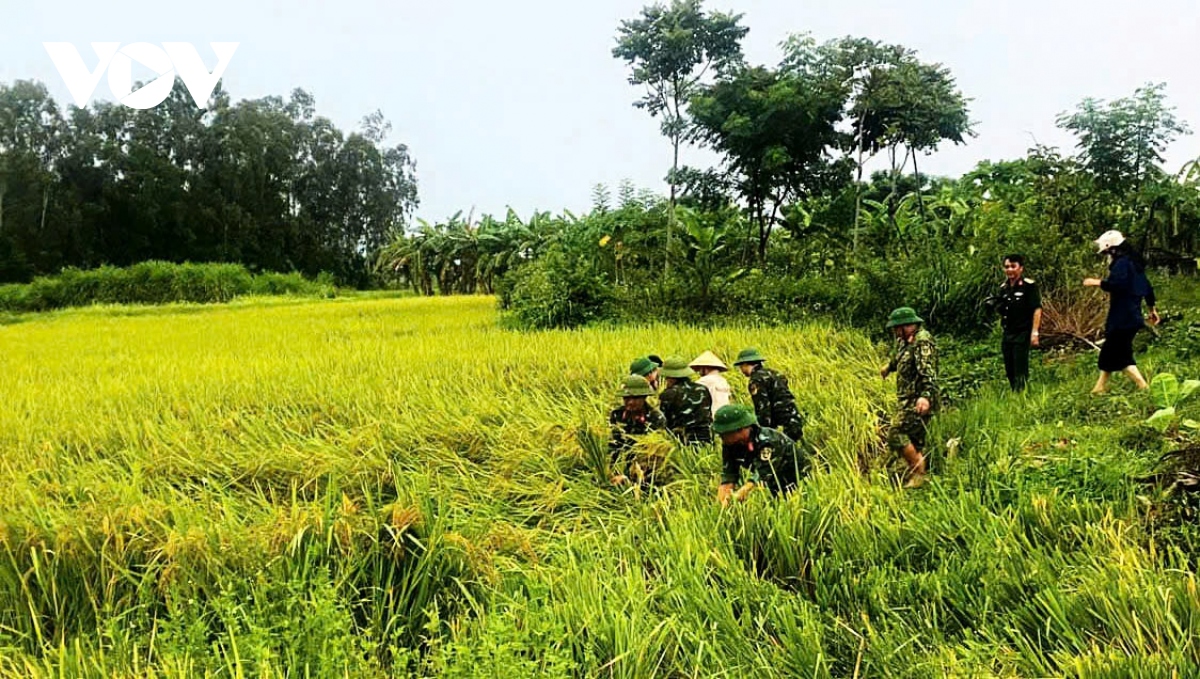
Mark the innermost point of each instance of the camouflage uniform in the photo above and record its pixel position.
(625, 425)
(774, 460)
(774, 404)
(687, 407)
(915, 366)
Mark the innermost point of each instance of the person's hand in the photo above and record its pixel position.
(1091, 282)
(1033, 339)
(922, 405)
(724, 492)
(1154, 319)
(883, 372)
(619, 479)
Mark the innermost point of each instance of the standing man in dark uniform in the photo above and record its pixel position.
(686, 404)
(1019, 303)
(774, 403)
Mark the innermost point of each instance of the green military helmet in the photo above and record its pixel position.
(749, 355)
(733, 417)
(677, 366)
(642, 366)
(636, 385)
(905, 315)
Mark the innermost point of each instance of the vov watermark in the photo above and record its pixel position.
(172, 58)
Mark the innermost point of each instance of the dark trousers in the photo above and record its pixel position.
(1016, 360)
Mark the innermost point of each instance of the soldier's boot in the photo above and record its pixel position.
(916, 466)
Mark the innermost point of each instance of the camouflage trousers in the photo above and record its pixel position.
(907, 427)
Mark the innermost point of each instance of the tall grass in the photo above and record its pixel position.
(401, 487)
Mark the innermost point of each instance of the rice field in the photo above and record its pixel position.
(375, 487)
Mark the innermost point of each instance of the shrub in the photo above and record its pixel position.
(560, 290)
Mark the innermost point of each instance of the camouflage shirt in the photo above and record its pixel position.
(773, 459)
(626, 425)
(687, 407)
(915, 366)
(774, 404)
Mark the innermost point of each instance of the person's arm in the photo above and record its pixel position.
(730, 473)
(891, 365)
(762, 403)
(1034, 337)
(1120, 278)
(926, 379)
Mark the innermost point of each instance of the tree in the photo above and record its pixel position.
(775, 130)
(1122, 142)
(671, 49)
(894, 102)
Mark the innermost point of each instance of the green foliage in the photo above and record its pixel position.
(1121, 143)
(154, 283)
(1167, 393)
(560, 290)
(265, 183)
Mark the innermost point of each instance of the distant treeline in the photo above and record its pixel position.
(265, 183)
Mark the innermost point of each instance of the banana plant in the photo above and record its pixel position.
(1167, 393)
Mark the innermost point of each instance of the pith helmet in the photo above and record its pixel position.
(642, 366)
(1109, 239)
(905, 315)
(733, 417)
(636, 385)
(708, 360)
(749, 355)
(676, 366)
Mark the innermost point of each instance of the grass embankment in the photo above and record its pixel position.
(398, 485)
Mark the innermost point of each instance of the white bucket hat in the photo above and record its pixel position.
(1109, 239)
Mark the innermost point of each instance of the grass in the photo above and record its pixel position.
(373, 486)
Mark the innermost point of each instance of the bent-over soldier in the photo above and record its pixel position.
(773, 459)
(634, 418)
(774, 403)
(686, 404)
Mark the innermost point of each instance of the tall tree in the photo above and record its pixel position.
(1122, 142)
(775, 130)
(671, 49)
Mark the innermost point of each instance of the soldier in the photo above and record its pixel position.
(634, 418)
(772, 458)
(1019, 303)
(774, 404)
(685, 404)
(915, 365)
(647, 368)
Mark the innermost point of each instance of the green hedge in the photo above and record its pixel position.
(154, 282)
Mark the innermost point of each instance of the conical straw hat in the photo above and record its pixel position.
(708, 360)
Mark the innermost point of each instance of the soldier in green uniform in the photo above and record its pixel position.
(647, 368)
(1019, 303)
(687, 405)
(634, 418)
(915, 365)
(772, 458)
(774, 403)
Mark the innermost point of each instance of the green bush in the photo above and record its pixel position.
(559, 290)
(153, 282)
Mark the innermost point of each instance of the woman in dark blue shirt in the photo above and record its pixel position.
(1126, 286)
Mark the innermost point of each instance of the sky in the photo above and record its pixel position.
(521, 104)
